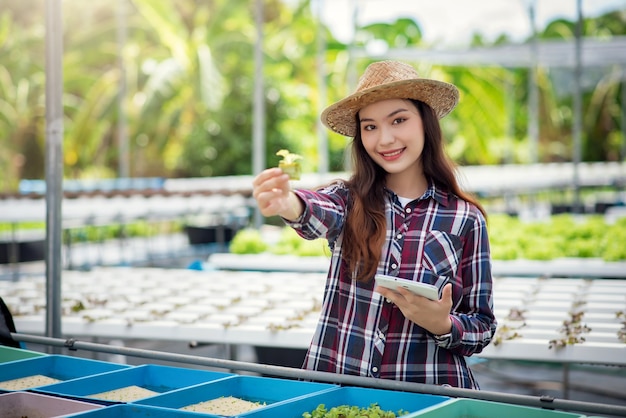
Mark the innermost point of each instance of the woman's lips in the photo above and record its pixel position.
(392, 155)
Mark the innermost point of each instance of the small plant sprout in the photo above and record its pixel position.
(290, 164)
(571, 332)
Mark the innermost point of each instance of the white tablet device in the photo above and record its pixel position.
(423, 289)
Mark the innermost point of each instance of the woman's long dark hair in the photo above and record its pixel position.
(365, 229)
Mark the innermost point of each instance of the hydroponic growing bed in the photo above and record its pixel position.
(565, 320)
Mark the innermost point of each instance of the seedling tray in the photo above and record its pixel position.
(353, 396)
(155, 378)
(466, 408)
(33, 405)
(265, 390)
(55, 366)
(135, 411)
(11, 354)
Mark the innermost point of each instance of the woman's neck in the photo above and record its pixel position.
(405, 186)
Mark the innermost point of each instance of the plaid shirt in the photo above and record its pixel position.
(436, 239)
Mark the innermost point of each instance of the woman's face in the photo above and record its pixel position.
(393, 135)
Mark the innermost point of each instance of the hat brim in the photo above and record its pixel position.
(442, 97)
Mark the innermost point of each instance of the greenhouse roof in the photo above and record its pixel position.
(595, 52)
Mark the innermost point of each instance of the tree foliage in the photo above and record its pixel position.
(189, 86)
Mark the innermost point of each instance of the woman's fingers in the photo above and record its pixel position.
(264, 175)
(271, 190)
(270, 179)
(270, 202)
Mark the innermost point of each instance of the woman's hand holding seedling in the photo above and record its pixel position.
(274, 196)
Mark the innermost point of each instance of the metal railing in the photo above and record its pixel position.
(341, 379)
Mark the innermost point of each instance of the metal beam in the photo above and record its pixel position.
(54, 164)
(336, 378)
(258, 125)
(595, 52)
(577, 124)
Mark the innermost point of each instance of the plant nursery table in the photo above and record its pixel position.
(562, 320)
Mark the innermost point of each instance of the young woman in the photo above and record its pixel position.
(401, 214)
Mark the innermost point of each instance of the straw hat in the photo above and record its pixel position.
(389, 80)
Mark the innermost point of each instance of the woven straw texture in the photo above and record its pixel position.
(389, 80)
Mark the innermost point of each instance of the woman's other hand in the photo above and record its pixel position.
(432, 315)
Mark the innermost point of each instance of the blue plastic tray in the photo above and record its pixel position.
(353, 396)
(250, 388)
(55, 366)
(134, 411)
(148, 376)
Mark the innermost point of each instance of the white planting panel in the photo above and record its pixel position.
(281, 309)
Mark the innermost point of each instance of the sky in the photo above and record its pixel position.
(452, 22)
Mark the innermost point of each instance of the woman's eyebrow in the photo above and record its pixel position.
(395, 112)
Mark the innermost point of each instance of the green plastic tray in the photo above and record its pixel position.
(11, 354)
(470, 408)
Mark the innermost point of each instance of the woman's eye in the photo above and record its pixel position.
(398, 121)
(369, 127)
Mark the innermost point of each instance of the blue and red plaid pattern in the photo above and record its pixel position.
(436, 239)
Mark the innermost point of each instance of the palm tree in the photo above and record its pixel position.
(22, 112)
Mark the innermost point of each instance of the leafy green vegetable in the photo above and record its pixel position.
(559, 236)
(288, 157)
(290, 242)
(347, 411)
(510, 238)
(290, 164)
(247, 241)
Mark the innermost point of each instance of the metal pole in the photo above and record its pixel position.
(352, 76)
(321, 77)
(293, 373)
(566, 377)
(54, 164)
(352, 73)
(258, 126)
(577, 111)
(122, 131)
(533, 88)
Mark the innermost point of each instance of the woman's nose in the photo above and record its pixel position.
(386, 136)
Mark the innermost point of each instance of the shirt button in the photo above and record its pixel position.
(408, 210)
(394, 266)
(399, 236)
(375, 369)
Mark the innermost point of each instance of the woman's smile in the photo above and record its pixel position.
(392, 155)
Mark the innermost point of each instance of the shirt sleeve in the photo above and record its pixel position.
(473, 319)
(324, 212)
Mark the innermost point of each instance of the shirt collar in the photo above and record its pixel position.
(432, 192)
(438, 194)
